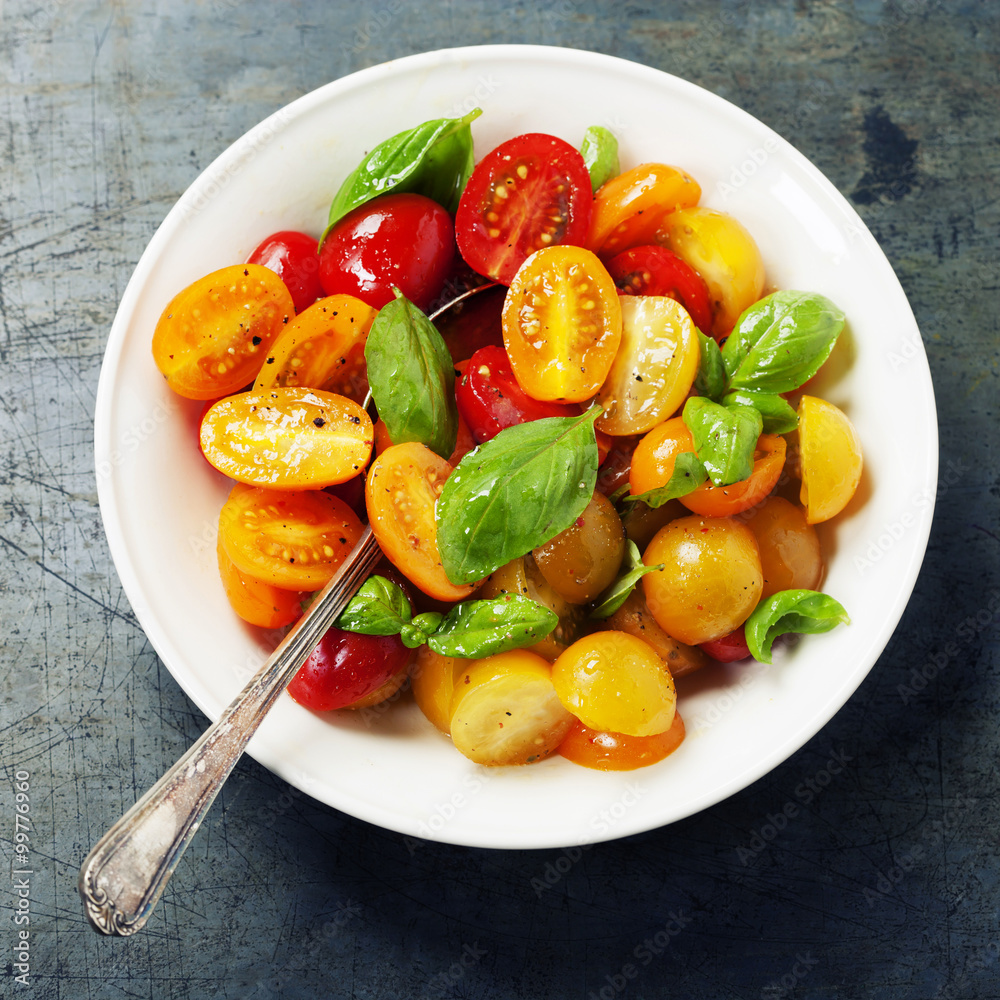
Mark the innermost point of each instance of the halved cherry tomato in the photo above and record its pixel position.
(654, 368)
(401, 240)
(721, 250)
(322, 348)
(629, 208)
(613, 472)
(291, 540)
(830, 457)
(730, 648)
(253, 600)
(490, 398)
(346, 667)
(605, 751)
(293, 257)
(212, 337)
(532, 191)
(562, 324)
(403, 486)
(655, 270)
(653, 464)
(287, 439)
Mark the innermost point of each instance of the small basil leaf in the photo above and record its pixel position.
(599, 150)
(724, 437)
(515, 492)
(616, 595)
(412, 377)
(482, 628)
(689, 473)
(777, 413)
(803, 611)
(780, 342)
(418, 631)
(711, 378)
(378, 608)
(433, 159)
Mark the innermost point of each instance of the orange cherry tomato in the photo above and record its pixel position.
(287, 439)
(655, 455)
(830, 457)
(403, 486)
(605, 751)
(291, 540)
(630, 208)
(711, 578)
(322, 348)
(562, 324)
(253, 600)
(790, 555)
(211, 339)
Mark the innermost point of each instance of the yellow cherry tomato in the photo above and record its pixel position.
(432, 681)
(654, 368)
(790, 556)
(613, 681)
(830, 458)
(721, 250)
(711, 578)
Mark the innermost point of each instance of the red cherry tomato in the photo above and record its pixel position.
(490, 399)
(405, 240)
(729, 648)
(653, 270)
(346, 666)
(293, 257)
(531, 192)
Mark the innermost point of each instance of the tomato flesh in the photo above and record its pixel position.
(287, 439)
(562, 324)
(346, 667)
(291, 540)
(258, 603)
(398, 240)
(606, 751)
(213, 336)
(532, 191)
(490, 398)
(655, 270)
(294, 258)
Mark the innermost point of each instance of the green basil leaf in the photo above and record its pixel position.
(378, 608)
(616, 595)
(419, 631)
(724, 437)
(433, 159)
(689, 473)
(412, 377)
(803, 611)
(600, 153)
(711, 378)
(515, 492)
(482, 628)
(780, 342)
(777, 413)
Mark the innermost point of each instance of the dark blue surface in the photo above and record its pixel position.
(864, 866)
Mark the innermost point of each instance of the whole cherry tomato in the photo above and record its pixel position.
(729, 648)
(293, 257)
(345, 667)
(401, 240)
(532, 191)
(655, 270)
(490, 398)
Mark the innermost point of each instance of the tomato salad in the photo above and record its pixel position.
(599, 474)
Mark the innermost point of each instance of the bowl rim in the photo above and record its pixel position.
(123, 559)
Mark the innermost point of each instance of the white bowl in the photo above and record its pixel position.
(160, 501)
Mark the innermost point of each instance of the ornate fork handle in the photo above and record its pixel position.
(124, 875)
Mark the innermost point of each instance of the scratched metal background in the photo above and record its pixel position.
(885, 885)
